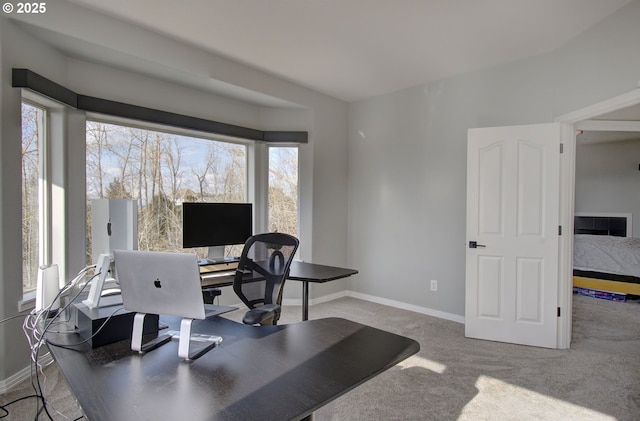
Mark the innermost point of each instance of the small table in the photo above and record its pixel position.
(274, 373)
(299, 271)
(310, 272)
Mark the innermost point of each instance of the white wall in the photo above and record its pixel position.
(407, 156)
(17, 49)
(608, 179)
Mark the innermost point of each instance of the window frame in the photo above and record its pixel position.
(45, 214)
(54, 179)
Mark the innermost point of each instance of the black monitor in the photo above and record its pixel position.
(215, 225)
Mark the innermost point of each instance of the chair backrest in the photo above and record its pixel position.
(268, 255)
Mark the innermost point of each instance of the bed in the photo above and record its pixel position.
(605, 255)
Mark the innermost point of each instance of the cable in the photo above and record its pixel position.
(4, 407)
(33, 323)
(13, 317)
(38, 388)
(36, 367)
(35, 327)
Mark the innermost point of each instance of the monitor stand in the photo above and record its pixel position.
(215, 255)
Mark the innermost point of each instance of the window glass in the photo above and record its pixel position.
(283, 190)
(161, 170)
(33, 191)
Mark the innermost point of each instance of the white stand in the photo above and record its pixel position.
(185, 338)
(103, 264)
(184, 344)
(138, 331)
(136, 334)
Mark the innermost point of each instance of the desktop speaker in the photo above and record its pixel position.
(47, 288)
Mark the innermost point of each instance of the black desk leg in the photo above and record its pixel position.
(305, 300)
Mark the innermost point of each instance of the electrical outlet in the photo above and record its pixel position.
(434, 285)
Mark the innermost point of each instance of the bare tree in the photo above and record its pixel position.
(283, 190)
(173, 161)
(201, 171)
(96, 144)
(32, 130)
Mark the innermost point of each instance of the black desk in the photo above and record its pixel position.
(268, 373)
(300, 271)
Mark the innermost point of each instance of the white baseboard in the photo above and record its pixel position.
(22, 375)
(405, 306)
(378, 300)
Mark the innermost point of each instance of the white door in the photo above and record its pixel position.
(513, 207)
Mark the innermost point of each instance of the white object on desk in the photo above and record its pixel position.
(103, 265)
(47, 288)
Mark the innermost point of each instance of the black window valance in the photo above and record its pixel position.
(25, 78)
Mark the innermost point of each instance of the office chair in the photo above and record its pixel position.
(269, 257)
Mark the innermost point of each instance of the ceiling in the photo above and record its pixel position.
(357, 49)
(347, 49)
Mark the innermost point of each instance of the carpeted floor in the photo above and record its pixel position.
(454, 378)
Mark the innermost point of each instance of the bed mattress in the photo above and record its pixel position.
(608, 254)
(607, 263)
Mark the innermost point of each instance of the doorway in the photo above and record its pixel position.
(620, 114)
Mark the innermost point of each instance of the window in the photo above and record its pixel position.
(35, 195)
(283, 189)
(161, 170)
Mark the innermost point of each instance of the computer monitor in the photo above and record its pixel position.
(216, 225)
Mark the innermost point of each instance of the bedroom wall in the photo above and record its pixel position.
(407, 157)
(608, 178)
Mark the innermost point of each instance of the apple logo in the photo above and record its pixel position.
(156, 283)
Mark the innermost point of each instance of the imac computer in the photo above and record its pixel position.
(216, 225)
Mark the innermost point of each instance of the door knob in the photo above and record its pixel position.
(474, 244)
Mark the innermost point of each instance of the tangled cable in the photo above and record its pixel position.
(35, 326)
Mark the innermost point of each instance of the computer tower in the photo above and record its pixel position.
(114, 226)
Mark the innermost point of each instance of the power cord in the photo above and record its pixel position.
(13, 317)
(4, 407)
(35, 327)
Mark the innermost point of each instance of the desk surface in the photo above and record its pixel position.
(304, 271)
(269, 373)
(299, 271)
